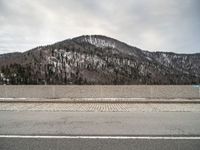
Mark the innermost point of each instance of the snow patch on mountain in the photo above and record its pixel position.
(98, 42)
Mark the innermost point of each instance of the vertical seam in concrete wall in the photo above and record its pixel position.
(100, 91)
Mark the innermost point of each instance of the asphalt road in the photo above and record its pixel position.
(97, 144)
(158, 130)
(100, 123)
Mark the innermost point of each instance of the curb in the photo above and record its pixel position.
(100, 100)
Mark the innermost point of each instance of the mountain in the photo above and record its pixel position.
(97, 59)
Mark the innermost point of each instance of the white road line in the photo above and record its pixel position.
(102, 137)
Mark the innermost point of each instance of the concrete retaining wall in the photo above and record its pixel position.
(98, 91)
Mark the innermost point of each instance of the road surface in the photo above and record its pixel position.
(139, 126)
(99, 130)
(100, 123)
(97, 144)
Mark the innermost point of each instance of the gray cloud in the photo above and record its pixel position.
(156, 25)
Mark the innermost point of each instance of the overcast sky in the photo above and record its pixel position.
(154, 25)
